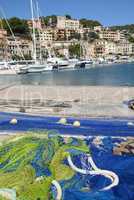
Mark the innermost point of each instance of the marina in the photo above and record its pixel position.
(110, 75)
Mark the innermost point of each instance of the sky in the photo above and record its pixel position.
(108, 12)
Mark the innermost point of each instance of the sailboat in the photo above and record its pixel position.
(37, 66)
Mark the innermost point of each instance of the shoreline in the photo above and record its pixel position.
(90, 66)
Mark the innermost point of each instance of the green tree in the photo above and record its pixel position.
(16, 57)
(93, 36)
(129, 28)
(76, 36)
(75, 50)
(68, 16)
(131, 39)
(89, 23)
(18, 26)
(50, 20)
(28, 57)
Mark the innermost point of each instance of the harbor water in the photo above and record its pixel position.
(106, 75)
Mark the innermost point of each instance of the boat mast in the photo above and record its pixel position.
(33, 33)
(39, 22)
(81, 50)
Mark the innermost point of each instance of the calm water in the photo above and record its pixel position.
(117, 75)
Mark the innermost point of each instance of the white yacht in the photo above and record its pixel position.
(84, 63)
(60, 63)
(35, 68)
(39, 68)
(4, 65)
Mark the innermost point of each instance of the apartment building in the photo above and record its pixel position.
(107, 34)
(19, 47)
(124, 47)
(60, 34)
(104, 48)
(64, 23)
(54, 34)
(99, 48)
(110, 47)
(47, 34)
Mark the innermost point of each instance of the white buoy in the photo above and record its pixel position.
(63, 121)
(130, 124)
(76, 124)
(13, 121)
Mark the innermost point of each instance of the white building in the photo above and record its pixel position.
(107, 34)
(47, 34)
(110, 47)
(100, 48)
(124, 47)
(19, 47)
(64, 23)
(104, 48)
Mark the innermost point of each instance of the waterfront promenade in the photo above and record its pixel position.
(78, 101)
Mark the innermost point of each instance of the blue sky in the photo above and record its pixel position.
(108, 12)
